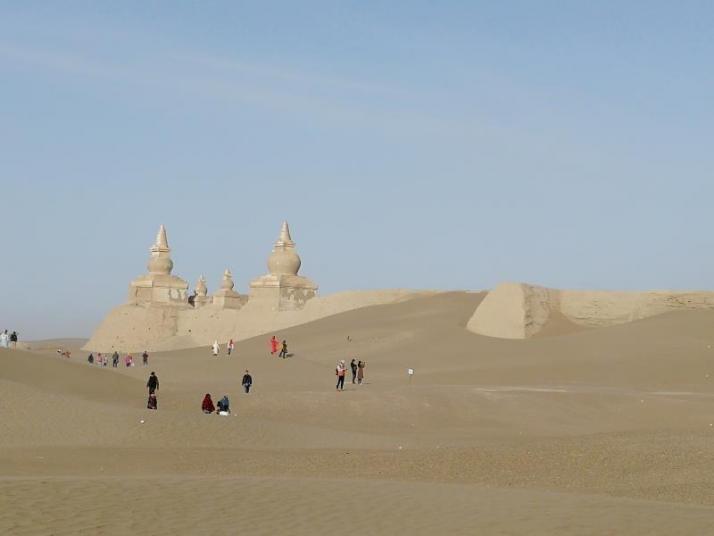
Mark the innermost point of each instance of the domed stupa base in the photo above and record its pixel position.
(282, 289)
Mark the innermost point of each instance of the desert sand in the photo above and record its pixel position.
(580, 430)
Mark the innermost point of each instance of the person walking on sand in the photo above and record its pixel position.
(353, 366)
(207, 405)
(340, 371)
(284, 350)
(247, 381)
(145, 358)
(231, 346)
(273, 345)
(13, 339)
(153, 382)
(360, 372)
(215, 348)
(115, 359)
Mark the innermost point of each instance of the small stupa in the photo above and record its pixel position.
(201, 293)
(226, 297)
(159, 287)
(282, 289)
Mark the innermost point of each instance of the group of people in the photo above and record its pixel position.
(103, 360)
(274, 343)
(224, 405)
(357, 367)
(8, 340)
(216, 348)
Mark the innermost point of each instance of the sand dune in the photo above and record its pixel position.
(591, 431)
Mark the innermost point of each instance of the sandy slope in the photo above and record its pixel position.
(583, 432)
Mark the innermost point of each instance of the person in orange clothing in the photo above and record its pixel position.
(274, 345)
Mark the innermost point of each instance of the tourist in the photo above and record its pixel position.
(13, 339)
(115, 359)
(4, 339)
(247, 382)
(273, 345)
(207, 404)
(284, 351)
(152, 403)
(145, 358)
(215, 348)
(353, 366)
(340, 371)
(100, 359)
(231, 346)
(90, 359)
(360, 371)
(129, 360)
(224, 406)
(153, 382)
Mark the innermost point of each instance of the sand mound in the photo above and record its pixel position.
(520, 311)
(134, 328)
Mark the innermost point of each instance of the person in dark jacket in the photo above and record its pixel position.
(247, 381)
(13, 339)
(153, 383)
(224, 406)
(284, 351)
(90, 359)
(353, 366)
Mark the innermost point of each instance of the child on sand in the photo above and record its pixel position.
(340, 371)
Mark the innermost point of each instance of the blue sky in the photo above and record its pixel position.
(447, 145)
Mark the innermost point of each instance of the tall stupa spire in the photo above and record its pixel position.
(284, 240)
(162, 243)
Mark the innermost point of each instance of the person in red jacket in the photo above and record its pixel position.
(274, 345)
(207, 404)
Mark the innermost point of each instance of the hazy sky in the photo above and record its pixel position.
(447, 145)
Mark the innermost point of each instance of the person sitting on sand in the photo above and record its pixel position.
(152, 403)
(224, 405)
(207, 404)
